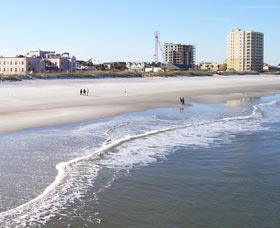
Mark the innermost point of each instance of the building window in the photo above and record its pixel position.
(4, 69)
(11, 69)
(22, 63)
(15, 69)
(22, 69)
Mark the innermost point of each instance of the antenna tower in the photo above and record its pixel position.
(156, 46)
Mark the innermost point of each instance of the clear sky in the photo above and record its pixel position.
(123, 30)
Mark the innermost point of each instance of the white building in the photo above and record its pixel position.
(21, 65)
(39, 54)
(245, 50)
(136, 66)
(37, 62)
(60, 62)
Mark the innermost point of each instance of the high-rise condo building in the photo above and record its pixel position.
(179, 54)
(245, 50)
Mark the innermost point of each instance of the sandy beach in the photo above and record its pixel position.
(37, 103)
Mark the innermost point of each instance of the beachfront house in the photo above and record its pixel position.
(21, 65)
(136, 66)
(84, 65)
(115, 65)
(60, 62)
(37, 62)
(177, 67)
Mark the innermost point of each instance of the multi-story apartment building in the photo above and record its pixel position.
(245, 50)
(179, 54)
(21, 65)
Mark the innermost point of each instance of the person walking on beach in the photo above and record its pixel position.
(182, 100)
(87, 91)
(81, 91)
(84, 91)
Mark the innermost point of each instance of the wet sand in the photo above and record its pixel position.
(38, 103)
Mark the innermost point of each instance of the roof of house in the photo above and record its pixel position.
(171, 66)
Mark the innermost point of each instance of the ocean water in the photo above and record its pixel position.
(206, 166)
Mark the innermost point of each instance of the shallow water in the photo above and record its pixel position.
(205, 166)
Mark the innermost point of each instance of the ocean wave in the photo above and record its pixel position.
(66, 188)
(272, 103)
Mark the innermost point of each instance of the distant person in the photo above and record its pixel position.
(84, 91)
(183, 100)
(87, 91)
(81, 92)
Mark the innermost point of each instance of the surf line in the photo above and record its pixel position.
(64, 168)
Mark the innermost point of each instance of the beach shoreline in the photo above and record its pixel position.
(39, 103)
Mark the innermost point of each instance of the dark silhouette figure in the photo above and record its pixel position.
(85, 91)
(182, 100)
(81, 92)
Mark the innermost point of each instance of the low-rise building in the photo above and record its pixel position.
(270, 68)
(85, 65)
(37, 62)
(170, 67)
(21, 65)
(60, 62)
(136, 66)
(39, 54)
(149, 69)
(211, 66)
(115, 65)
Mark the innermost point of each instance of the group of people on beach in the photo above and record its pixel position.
(182, 100)
(84, 91)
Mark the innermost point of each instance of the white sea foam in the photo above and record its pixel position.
(123, 149)
(272, 103)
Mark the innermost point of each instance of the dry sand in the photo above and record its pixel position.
(37, 103)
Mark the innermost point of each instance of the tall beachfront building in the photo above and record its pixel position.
(179, 54)
(245, 50)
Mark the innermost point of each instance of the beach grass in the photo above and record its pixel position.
(120, 74)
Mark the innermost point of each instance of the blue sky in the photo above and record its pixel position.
(122, 30)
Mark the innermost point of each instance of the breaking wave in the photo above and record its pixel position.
(124, 149)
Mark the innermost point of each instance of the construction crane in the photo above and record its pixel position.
(158, 46)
